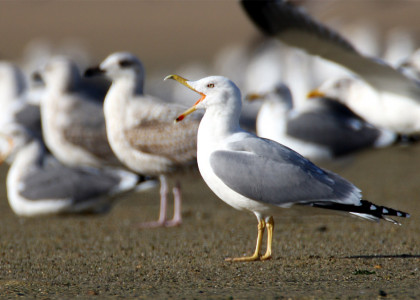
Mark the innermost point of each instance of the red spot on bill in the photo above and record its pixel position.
(180, 118)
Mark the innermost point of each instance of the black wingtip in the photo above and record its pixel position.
(381, 211)
(261, 13)
(273, 17)
(366, 210)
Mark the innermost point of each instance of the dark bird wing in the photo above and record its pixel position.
(293, 26)
(333, 125)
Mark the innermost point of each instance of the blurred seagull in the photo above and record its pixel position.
(260, 175)
(12, 87)
(392, 111)
(141, 131)
(73, 121)
(411, 65)
(321, 129)
(14, 102)
(38, 184)
(394, 90)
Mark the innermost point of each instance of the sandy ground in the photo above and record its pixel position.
(314, 257)
(324, 256)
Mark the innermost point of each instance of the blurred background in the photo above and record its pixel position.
(166, 34)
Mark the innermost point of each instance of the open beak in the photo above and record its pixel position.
(315, 94)
(193, 108)
(5, 154)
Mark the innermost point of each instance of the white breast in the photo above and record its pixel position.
(207, 143)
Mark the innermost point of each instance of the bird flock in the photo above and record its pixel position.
(78, 138)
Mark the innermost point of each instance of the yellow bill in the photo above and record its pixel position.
(184, 81)
(315, 94)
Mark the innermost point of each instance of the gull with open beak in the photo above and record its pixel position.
(259, 175)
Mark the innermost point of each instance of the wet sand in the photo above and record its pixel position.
(323, 256)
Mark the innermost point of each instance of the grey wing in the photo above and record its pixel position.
(56, 181)
(161, 136)
(335, 126)
(268, 172)
(294, 27)
(30, 117)
(88, 131)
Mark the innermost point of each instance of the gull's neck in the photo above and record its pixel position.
(219, 122)
(130, 85)
(7, 93)
(122, 91)
(272, 118)
(61, 83)
(28, 156)
(12, 86)
(118, 105)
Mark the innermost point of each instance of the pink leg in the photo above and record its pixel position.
(177, 219)
(163, 206)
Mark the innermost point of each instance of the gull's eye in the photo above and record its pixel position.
(210, 85)
(125, 63)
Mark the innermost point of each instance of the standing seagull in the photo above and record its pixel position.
(321, 129)
(260, 175)
(141, 130)
(73, 122)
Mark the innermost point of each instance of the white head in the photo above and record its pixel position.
(279, 96)
(340, 89)
(120, 66)
(217, 92)
(61, 74)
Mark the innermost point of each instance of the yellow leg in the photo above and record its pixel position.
(270, 229)
(256, 255)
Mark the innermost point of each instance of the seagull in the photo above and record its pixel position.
(14, 99)
(259, 175)
(391, 111)
(73, 121)
(320, 129)
(38, 184)
(12, 83)
(12, 90)
(141, 132)
(384, 84)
